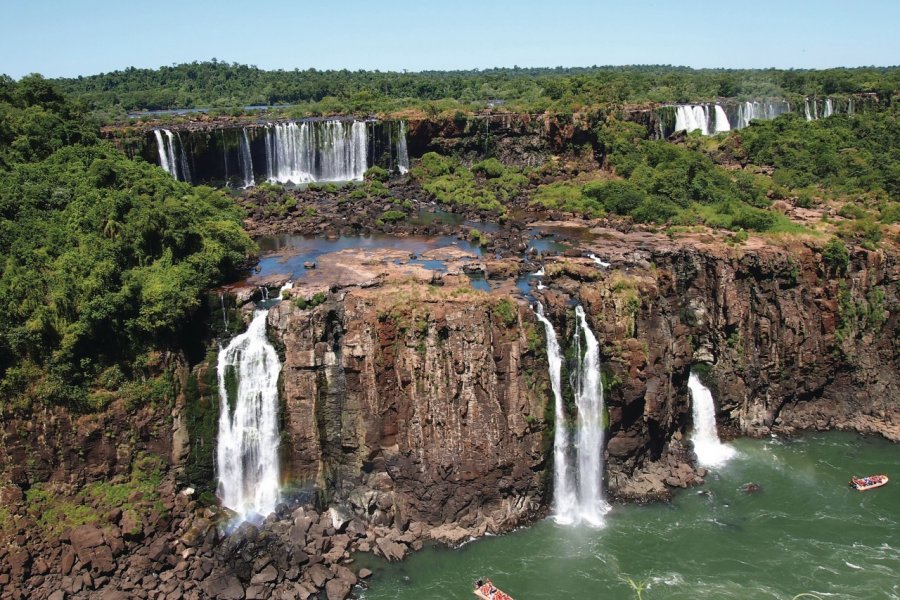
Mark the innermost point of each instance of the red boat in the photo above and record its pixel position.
(867, 483)
(485, 590)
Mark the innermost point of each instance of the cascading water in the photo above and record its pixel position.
(829, 108)
(185, 171)
(402, 153)
(246, 160)
(589, 437)
(316, 151)
(722, 124)
(690, 117)
(247, 453)
(564, 498)
(709, 450)
(165, 145)
(749, 111)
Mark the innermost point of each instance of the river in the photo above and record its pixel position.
(805, 530)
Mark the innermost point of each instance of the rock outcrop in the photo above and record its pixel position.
(415, 403)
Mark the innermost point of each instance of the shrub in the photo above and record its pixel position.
(836, 256)
(376, 173)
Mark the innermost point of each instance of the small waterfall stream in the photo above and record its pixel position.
(589, 437)
(402, 152)
(246, 160)
(709, 450)
(165, 146)
(247, 452)
(578, 483)
(172, 157)
(564, 499)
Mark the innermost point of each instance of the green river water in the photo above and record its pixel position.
(804, 531)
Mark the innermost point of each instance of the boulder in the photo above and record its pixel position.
(223, 586)
(318, 574)
(337, 589)
(267, 575)
(390, 549)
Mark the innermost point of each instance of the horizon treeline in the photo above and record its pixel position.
(217, 84)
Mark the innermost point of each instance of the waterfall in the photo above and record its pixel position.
(748, 111)
(564, 499)
(224, 311)
(172, 156)
(316, 151)
(829, 108)
(722, 124)
(709, 450)
(589, 435)
(850, 106)
(166, 148)
(402, 153)
(806, 110)
(185, 171)
(247, 453)
(690, 117)
(246, 160)
(225, 153)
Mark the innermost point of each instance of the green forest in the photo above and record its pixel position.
(103, 260)
(221, 85)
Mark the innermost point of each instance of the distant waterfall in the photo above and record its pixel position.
(829, 108)
(690, 117)
(247, 453)
(165, 145)
(709, 450)
(564, 498)
(185, 171)
(246, 160)
(171, 155)
(316, 151)
(402, 153)
(811, 109)
(589, 437)
(722, 124)
(749, 111)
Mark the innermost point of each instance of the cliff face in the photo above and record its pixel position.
(415, 404)
(516, 139)
(784, 343)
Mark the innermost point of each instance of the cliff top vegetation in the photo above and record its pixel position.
(233, 87)
(103, 260)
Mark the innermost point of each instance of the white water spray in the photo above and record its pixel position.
(247, 452)
(599, 261)
(709, 450)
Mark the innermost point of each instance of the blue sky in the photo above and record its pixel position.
(83, 37)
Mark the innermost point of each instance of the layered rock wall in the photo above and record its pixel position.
(415, 405)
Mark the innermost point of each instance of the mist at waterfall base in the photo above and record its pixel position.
(709, 450)
(247, 451)
(804, 531)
